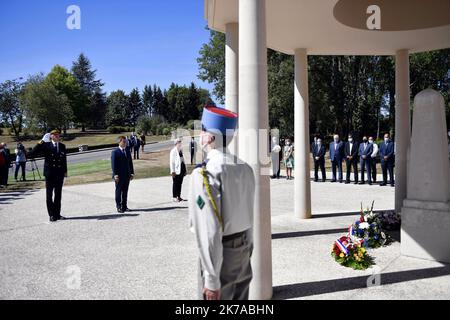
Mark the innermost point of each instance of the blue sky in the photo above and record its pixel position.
(131, 43)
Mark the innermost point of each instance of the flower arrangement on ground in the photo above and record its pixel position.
(369, 228)
(351, 252)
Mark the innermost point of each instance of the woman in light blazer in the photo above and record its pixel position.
(177, 170)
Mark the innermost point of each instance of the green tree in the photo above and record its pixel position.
(148, 100)
(86, 78)
(117, 105)
(44, 106)
(135, 107)
(212, 64)
(11, 111)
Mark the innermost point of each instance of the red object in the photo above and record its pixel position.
(222, 112)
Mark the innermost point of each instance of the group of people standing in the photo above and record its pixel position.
(134, 143)
(356, 154)
(6, 163)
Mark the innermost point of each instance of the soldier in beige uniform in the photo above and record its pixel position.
(221, 212)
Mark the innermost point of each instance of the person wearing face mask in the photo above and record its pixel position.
(289, 158)
(55, 170)
(373, 162)
(365, 155)
(336, 157)
(319, 160)
(221, 204)
(177, 169)
(351, 159)
(387, 160)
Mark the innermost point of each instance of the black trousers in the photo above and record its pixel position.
(319, 164)
(365, 165)
(176, 187)
(4, 172)
(192, 156)
(122, 193)
(373, 165)
(336, 164)
(387, 166)
(53, 187)
(349, 164)
(18, 166)
(136, 153)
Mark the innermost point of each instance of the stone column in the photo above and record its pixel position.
(254, 115)
(426, 210)
(232, 75)
(302, 184)
(402, 125)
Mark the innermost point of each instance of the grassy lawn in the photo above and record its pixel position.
(75, 138)
(150, 166)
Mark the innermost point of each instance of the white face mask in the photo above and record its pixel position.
(370, 141)
(350, 139)
(319, 142)
(386, 140)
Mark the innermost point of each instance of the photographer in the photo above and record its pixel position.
(21, 160)
(4, 165)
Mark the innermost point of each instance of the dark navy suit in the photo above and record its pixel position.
(387, 165)
(336, 157)
(319, 151)
(351, 160)
(365, 155)
(122, 166)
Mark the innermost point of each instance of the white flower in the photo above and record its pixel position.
(364, 225)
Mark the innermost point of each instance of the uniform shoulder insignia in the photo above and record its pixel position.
(200, 202)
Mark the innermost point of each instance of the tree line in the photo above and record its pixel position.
(75, 98)
(347, 94)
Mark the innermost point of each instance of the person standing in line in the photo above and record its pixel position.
(193, 150)
(55, 170)
(122, 173)
(289, 158)
(351, 159)
(387, 160)
(336, 157)
(218, 216)
(373, 162)
(4, 166)
(177, 170)
(275, 157)
(143, 142)
(21, 161)
(137, 147)
(365, 153)
(319, 160)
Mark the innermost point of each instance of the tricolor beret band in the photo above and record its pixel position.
(216, 120)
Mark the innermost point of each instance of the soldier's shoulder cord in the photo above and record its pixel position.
(210, 196)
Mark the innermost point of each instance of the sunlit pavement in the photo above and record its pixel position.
(149, 253)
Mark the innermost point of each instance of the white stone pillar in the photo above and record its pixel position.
(254, 115)
(232, 75)
(426, 210)
(402, 125)
(302, 183)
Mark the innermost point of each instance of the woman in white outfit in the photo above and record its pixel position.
(177, 170)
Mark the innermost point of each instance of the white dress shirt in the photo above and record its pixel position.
(233, 188)
(375, 150)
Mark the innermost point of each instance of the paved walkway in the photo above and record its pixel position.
(150, 254)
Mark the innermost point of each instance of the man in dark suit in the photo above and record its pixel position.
(122, 172)
(365, 155)
(319, 160)
(55, 170)
(336, 157)
(193, 149)
(387, 159)
(351, 158)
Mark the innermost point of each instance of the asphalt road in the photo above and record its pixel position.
(105, 154)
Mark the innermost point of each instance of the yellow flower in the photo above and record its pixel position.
(341, 255)
(363, 250)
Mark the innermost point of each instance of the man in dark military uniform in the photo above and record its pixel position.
(55, 170)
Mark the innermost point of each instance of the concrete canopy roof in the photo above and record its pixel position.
(339, 27)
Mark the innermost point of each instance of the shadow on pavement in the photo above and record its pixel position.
(307, 233)
(8, 197)
(299, 290)
(103, 217)
(158, 209)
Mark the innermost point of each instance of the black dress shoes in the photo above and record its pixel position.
(61, 218)
(383, 184)
(347, 182)
(53, 219)
(119, 210)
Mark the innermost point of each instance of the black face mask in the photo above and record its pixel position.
(365, 140)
